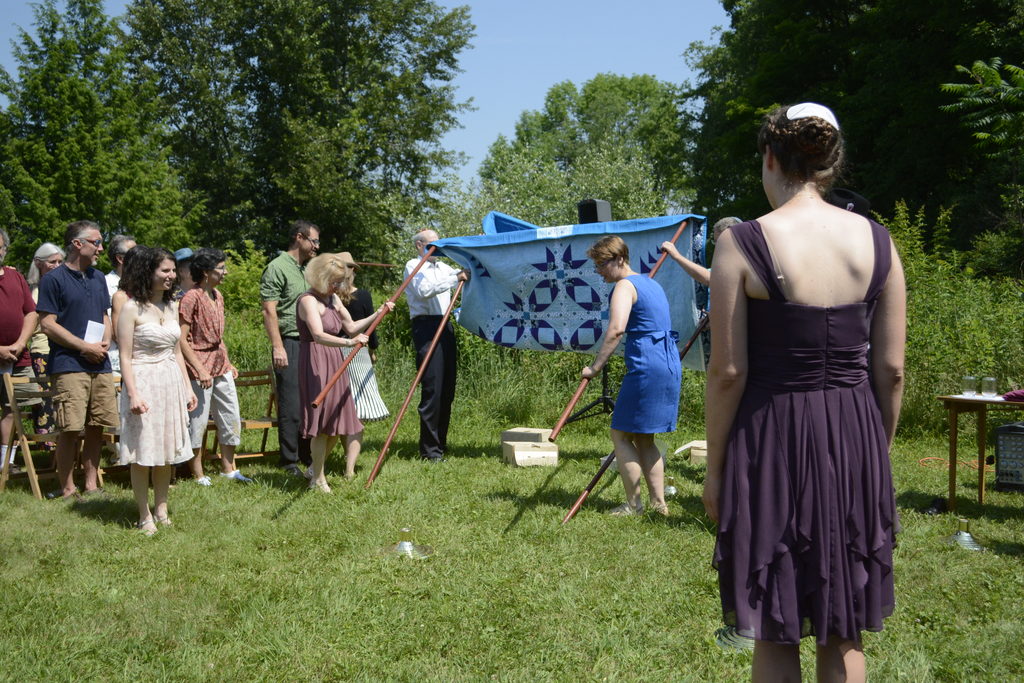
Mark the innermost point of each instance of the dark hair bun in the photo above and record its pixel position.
(808, 148)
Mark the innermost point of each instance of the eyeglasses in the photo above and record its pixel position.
(222, 269)
(314, 242)
(602, 264)
(96, 243)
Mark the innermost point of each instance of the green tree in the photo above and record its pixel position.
(79, 139)
(993, 108)
(638, 115)
(328, 110)
(526, 183)
(879, 66)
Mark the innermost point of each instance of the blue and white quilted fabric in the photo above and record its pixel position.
(535, 288)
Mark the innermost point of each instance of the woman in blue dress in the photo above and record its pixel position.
(648, 400)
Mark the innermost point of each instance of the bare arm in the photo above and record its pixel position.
(116, 304)
(280, 357)
(694, 270)
(354, 327)
(310, 314)
(126, 334)
(888, 343)
(191, 400)
(623, 298)
(189, 356)
(727, 372)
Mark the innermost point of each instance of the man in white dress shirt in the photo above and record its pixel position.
(429, 295)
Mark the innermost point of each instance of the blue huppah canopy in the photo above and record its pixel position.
(535, 288)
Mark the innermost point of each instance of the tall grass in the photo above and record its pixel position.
(957, 324)
(270, 582)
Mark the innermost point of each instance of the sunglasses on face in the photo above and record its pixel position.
(96, 243)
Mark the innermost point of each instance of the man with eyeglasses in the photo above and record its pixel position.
(281, 284)
(73, 304)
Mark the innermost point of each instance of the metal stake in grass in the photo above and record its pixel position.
(670, 487)
(962, 536)
(406, 548)
(728, 638)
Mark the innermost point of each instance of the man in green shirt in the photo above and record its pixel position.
(280, 286)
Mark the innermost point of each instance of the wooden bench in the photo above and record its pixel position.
(250, 381)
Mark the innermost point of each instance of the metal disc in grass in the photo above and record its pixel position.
(963, 538)
(406, 548)
(728, 638)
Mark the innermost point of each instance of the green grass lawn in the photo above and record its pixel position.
(269, 581)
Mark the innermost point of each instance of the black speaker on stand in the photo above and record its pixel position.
(595, 211)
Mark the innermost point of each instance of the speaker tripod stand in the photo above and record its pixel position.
(602, 405)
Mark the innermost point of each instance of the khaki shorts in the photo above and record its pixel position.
(84, 399)
(21, 389)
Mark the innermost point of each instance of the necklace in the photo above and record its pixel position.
(161, 311)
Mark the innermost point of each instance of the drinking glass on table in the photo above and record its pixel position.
(988, 387)
(969, 386)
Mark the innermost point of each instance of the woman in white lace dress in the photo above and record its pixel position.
(156, 395)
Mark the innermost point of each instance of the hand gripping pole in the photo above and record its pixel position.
(355, 349)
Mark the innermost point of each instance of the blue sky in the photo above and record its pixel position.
(523, 47)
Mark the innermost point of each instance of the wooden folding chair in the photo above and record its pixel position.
(28, 442)
(18, 437)
(249, 381)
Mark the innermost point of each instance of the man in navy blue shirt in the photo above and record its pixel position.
(72, 307)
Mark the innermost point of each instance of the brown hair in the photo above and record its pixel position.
(324, 269)
(607, 248)
(808, 148)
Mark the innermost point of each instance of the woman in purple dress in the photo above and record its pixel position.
(324, 327)
(804, 391)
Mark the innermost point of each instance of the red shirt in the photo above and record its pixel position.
(15, 303)
(205, 318)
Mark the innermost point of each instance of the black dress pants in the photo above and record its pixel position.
(437, 386)
(294, 449)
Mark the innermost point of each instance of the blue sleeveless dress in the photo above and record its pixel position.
(807, 509)
(648, 401)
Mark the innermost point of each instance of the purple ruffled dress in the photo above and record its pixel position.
(807, 508)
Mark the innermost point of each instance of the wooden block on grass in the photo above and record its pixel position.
(529, 453)
(530, 434)
(697, 452)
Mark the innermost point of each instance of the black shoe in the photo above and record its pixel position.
(293, 470)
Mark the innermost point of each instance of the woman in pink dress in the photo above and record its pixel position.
(324, 327)
(156, 395)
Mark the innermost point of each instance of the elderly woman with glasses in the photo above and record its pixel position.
(47, 257)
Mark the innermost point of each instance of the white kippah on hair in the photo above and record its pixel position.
(805, 109)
